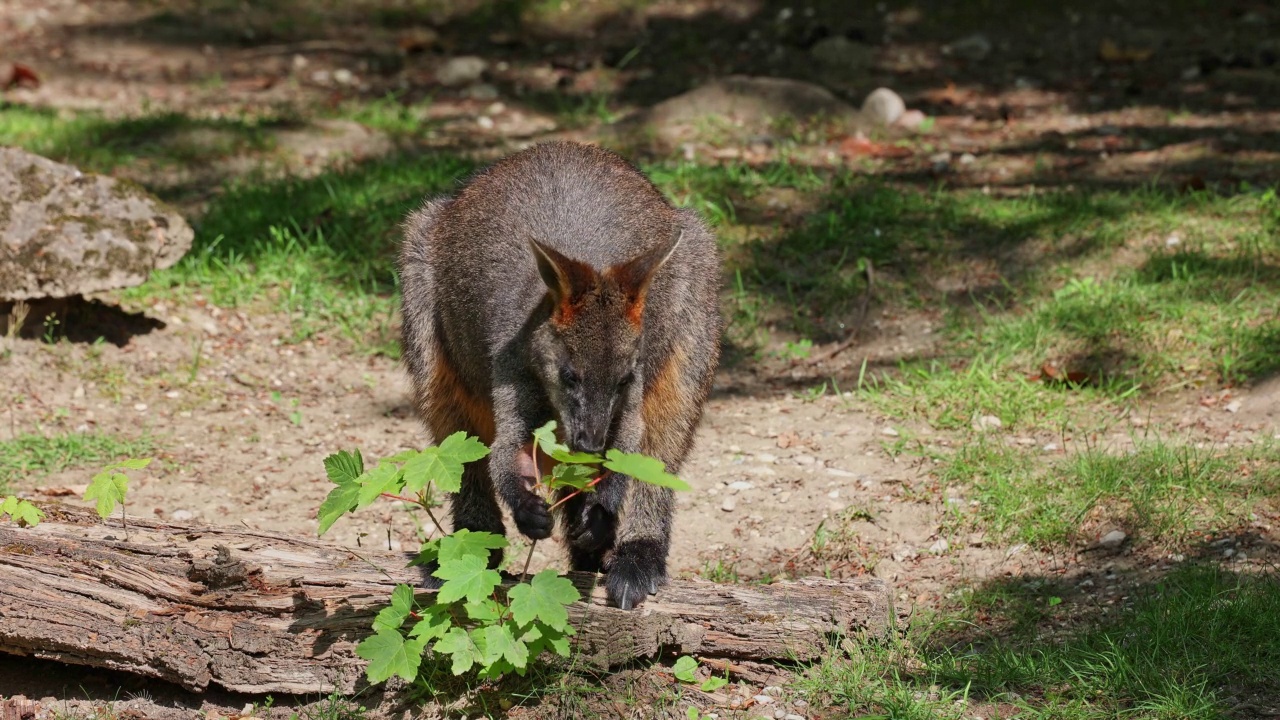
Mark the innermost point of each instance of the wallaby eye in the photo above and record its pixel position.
(568, 378)
(627, 379)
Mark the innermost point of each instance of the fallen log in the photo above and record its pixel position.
(259, 612)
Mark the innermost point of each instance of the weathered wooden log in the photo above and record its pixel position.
(259, 612)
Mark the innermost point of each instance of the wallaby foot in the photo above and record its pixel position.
(638, 568)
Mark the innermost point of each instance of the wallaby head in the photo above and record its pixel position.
(587, 349)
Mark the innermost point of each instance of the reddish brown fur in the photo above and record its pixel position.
(448, 407)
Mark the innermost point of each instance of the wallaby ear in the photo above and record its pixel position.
(635, 275)
(567, 279)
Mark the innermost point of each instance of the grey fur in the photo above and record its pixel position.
(516, 298)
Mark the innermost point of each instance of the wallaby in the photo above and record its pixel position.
(561, 284)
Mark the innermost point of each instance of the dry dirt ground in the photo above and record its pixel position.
(241, 420)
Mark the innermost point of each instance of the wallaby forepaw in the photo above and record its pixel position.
(533, 517)
(638, 568)
(593, 529)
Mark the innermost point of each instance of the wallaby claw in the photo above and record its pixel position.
(533, 517)
(637, 570)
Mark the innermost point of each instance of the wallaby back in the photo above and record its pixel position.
(494, 347)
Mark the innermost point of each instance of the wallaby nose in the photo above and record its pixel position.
(590, 440)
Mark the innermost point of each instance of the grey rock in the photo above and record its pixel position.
(883, 106)
(64, 232)
(461, 70)
(970, 47)
(1112, 539)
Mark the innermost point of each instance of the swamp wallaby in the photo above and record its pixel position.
(560, 284)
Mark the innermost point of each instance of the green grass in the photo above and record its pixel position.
(1157, 492)
(29, 457)
(1193, 645)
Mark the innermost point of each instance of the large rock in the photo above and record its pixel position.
(64, 232)
(736, 106)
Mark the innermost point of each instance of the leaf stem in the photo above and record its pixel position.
(528, 558)
(576, 493)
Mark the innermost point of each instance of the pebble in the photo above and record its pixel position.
(833, 494)
(728, 505)
(78, 394)
(462, 70)
(773, 690)
(804, 459)
(482, 91)
(967, 158)
(837, 472)
(779, 713)
(172, 394)
(762, 699)
(740, 485)
(911, 119)
(1232, 407)
(792, 716)
(987, 422)
(767, 458)
(1112, 539)
(343, 76)
(784, 497)
(940, 546)
(485, 122)
(182, 515)
(140, 407)
(889, 431)
(800, 704)
(883, 106)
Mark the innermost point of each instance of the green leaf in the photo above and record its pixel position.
(457, 644)
(644, 468)
(462, 448)
(539, 637)
(392, 617)
(545, 437)
(467, 577)
(685, 668)
(344, 466)
(543, 598)
(713, 683)
(107, 488)
(385, 478)
(400, 457)
(442, 465)
(693, 713)
(462, 543)
(574, 476)
(389, 653)
(486, 611)
(584, 458)
(496, 642)
(429, 553)
(21, 511)
(341, 500)
(435, 623)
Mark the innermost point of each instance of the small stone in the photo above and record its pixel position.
(911, 119)
(837, 472)
(1228, 552)
(1050, 447)
(889, 431)
(1232, 407)
(739, 485)
(140, 407)
(804, 459)
(970, 47)
(1113, 539)
(903, 553)
(1173, 240)
(987, 422)
(762, 699)
(779, 714)
(800, 704)
(172, 394)
(792, 716)
(78, 394)
(343, 76)
(883, 106)
(773, 690)
(939, 546)
(968, 158)
(462, 70)
(320, 77)
(728, 505)
(833, 494)
(735, 449)
(485, 122)
(784, 497)
(767, 458)
(182, 515)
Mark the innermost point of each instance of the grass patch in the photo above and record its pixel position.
(32, 456)
(1191, 646)
(1156, 492)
